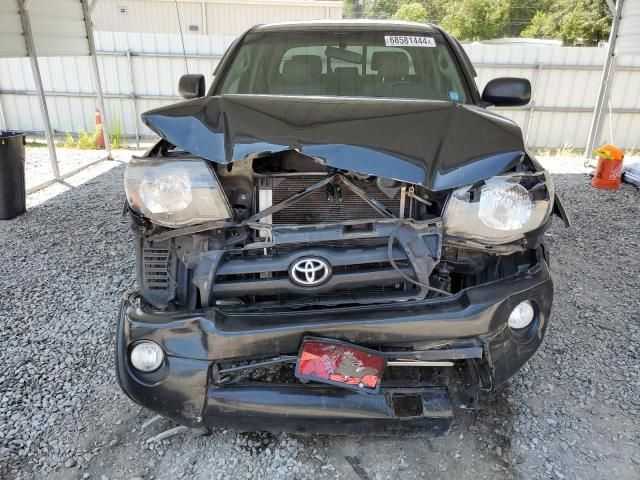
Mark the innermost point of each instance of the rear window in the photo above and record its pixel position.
(354, 64)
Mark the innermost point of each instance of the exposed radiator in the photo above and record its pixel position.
(326, 205)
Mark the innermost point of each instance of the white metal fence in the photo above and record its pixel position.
(565, 83)
(140, 71)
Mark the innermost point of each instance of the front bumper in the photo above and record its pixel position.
(183, 388)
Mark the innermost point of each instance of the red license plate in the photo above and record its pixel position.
(339, 363)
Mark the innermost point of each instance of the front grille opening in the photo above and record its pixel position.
(358, 228)
(343, 298)
(154, 268)
(407, 405)
(337, 270)
(282, 373)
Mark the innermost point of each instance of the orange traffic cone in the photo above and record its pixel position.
(609, 170)
(99, 130)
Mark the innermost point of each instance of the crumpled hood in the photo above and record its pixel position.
(436, 144)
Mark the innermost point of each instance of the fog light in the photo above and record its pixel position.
(521, 316)
(146, 356)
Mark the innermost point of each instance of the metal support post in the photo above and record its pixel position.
(605, 84)
(3, 120)
(205, 23)
(96, 74)
(48, 131)
(133, 99)
(93, 7)
(534, 84)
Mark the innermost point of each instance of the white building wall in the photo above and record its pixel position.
(207, 17)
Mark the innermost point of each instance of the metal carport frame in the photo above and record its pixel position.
(53, 28)
(623, 39)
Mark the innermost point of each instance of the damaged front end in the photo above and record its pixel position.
(249, 245)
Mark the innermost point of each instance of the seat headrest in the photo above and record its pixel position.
(302, 67)
(346, 71)
(390, 64)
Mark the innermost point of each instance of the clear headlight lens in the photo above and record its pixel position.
(504, 205)
(500, 210)
(166, 193)
(174, 193)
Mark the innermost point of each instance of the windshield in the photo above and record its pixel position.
(352, 63)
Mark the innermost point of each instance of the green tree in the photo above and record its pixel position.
(570, 20)
(352, 8)
(382, 8)
(477, 19)
(539, 27)
(413, 12)
(520, 14)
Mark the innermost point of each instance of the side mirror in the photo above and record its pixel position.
(507, 92)
(191, 86)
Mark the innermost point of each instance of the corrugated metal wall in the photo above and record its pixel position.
(235, 17)
(57, 26)
(220, 17)
(628, 41)
(69, 84)
(11, 38)
(565, 85)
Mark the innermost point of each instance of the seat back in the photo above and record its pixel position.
(345, 81)
(302, 75)
(391, 66)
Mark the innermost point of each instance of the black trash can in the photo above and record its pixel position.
(13, 200)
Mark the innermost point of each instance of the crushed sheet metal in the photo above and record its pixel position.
(436, 144)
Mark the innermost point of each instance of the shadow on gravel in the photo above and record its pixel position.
(68, 260)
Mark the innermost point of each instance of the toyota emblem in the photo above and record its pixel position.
(310, 271)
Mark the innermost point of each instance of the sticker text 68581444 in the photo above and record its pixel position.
(408, 41)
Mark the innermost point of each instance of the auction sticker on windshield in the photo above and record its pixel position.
(408, 41)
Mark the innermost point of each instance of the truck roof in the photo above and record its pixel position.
(338, 25)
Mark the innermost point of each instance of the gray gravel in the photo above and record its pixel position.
(572, 413)
(38, 167)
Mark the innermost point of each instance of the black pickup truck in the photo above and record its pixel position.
(338, 237)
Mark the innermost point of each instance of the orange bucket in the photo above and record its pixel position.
(609, 170)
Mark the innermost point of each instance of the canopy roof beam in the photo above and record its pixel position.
(48, 131)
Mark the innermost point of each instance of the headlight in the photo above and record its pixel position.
(501, 209)
(173, 193)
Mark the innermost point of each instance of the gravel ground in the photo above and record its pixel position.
(38, 167)
(571, 413)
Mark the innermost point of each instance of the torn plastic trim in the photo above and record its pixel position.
(411, 357)
(324, 232)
